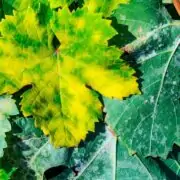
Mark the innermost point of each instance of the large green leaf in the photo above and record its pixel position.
(149, 123)
(7, 108)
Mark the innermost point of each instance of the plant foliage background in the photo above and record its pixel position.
(89, 90)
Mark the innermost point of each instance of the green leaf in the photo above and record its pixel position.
(150, 15)
(7, 108)
(105, 157)
(149, 123)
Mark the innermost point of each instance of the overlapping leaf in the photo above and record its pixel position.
(61, 100)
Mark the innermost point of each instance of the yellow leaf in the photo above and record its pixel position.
(66, 82)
